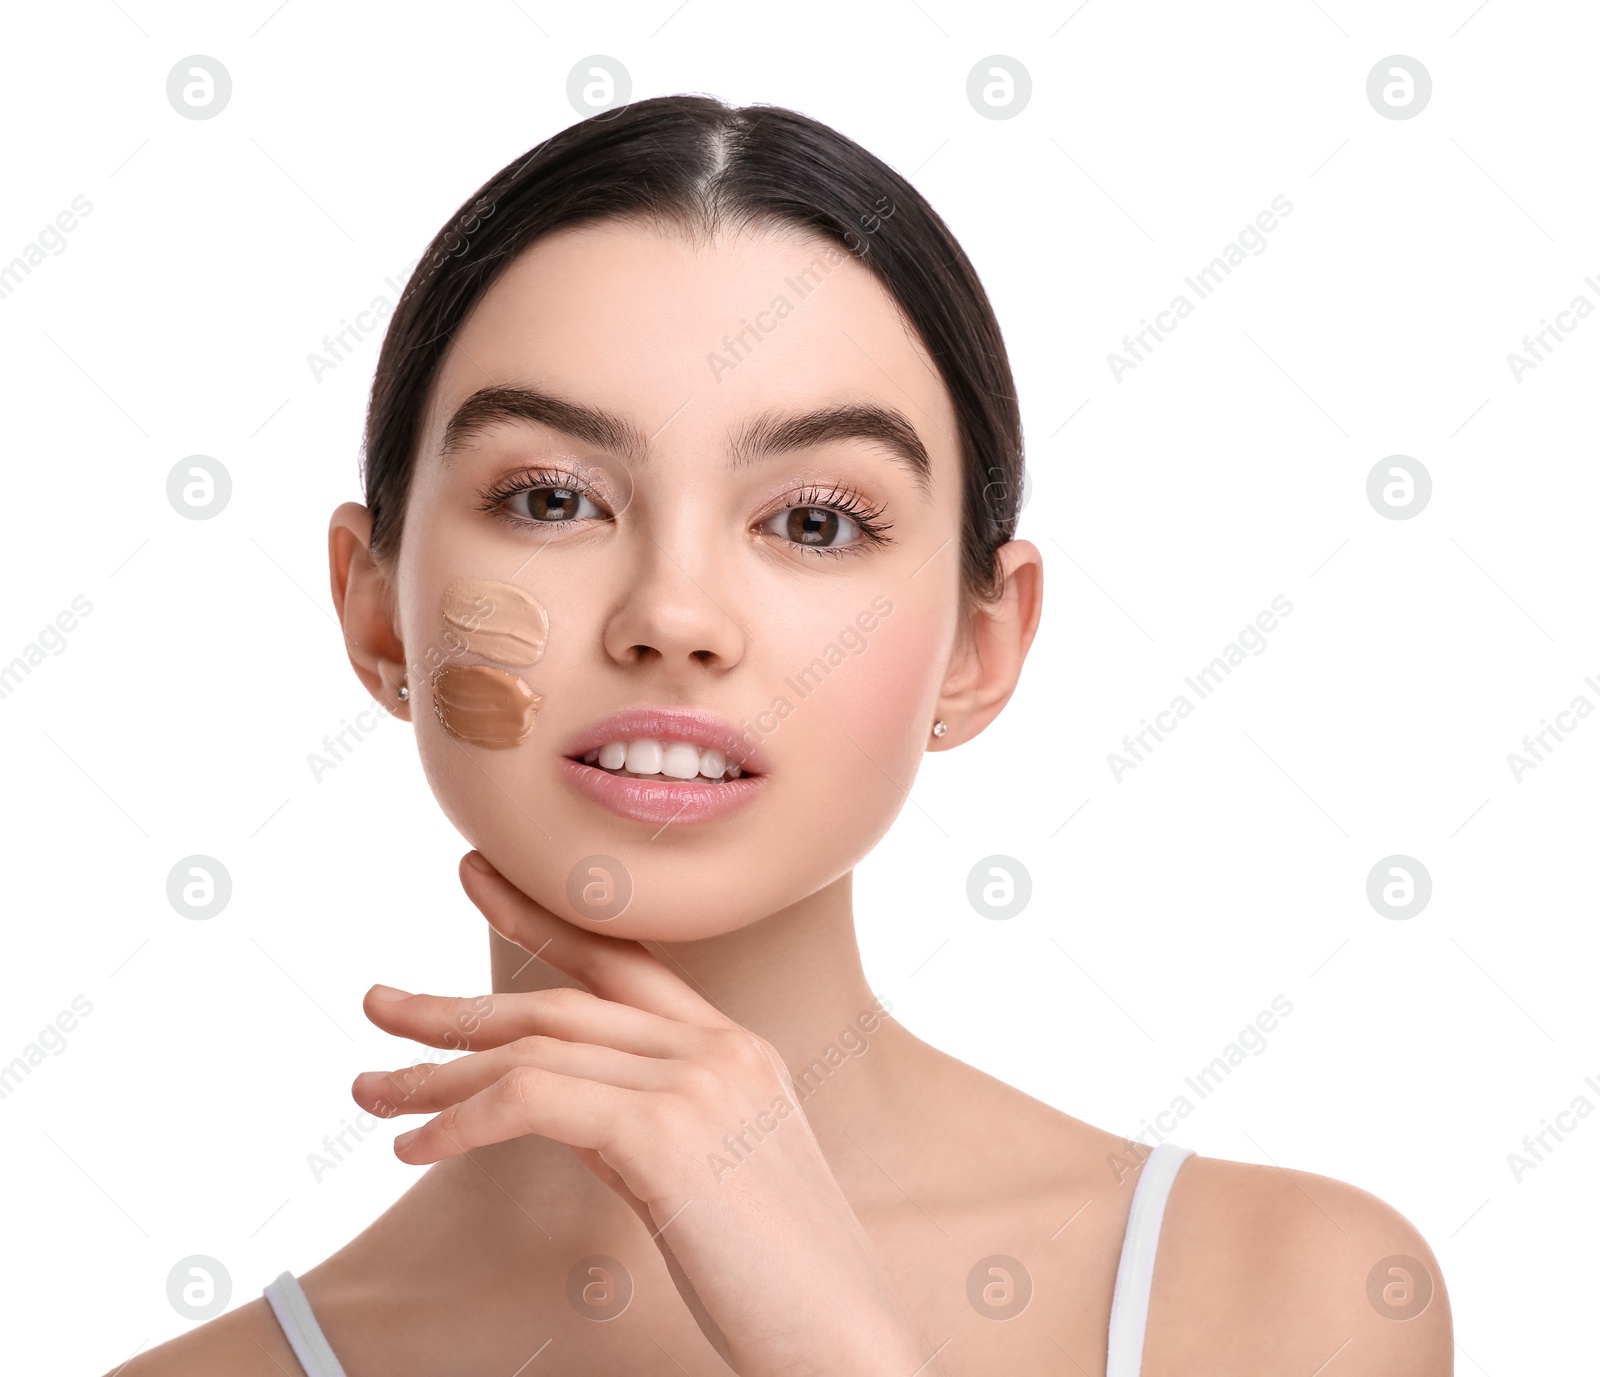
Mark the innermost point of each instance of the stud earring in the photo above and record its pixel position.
(939, 728)
(402, 693)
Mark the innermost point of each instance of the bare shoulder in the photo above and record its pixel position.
(247, 1341)
(1262, 1269)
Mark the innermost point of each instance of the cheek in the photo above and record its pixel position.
(847, 755)
(484, 706)
(476, 660)
(870, 729)
(498, 621)
(889, 701)
(484, 620)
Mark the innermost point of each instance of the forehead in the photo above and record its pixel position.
(696, 332)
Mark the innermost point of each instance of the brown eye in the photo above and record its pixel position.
(552, 506)
(814, 526)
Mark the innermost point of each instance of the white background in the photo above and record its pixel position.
(1171, 506)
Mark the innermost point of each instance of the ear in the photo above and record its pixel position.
(996, 641)
(364, 601)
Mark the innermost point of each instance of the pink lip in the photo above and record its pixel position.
(662, 800)
(699, 727)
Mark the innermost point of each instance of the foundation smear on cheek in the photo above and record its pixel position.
(498, 621)
(483, 705)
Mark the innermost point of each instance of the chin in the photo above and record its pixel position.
(674, 899)
(682, 898)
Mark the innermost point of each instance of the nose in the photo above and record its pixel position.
(677, 612)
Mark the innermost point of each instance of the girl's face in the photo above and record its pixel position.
(728, 476)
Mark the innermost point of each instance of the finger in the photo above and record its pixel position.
(614, 968)
(526, 1100)
(431, 1086)
(472, 1025)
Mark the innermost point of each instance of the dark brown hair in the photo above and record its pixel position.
(702, 165)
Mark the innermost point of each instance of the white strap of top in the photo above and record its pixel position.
(1130, 1302)
(300, 1326)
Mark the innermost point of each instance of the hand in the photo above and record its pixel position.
(689, 1117)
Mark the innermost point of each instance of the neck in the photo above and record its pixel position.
(793, 978)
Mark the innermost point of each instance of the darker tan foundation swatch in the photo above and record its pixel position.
(483, 705)
(498, 621)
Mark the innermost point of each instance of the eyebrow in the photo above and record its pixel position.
(763, 436)
(775, 432)
(499, 404)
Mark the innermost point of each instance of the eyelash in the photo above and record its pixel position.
(528, 480)
(845, 501)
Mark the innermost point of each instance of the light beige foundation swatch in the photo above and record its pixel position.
(498, 621)
(483, 705)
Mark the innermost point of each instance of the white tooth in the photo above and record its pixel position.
(589, 757)
(680, 760)
(712, 763)
(612, 755)
(644, 757)
(733, 773)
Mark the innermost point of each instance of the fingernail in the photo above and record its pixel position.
(477, 861)
(406, 1137)
(388, 994)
